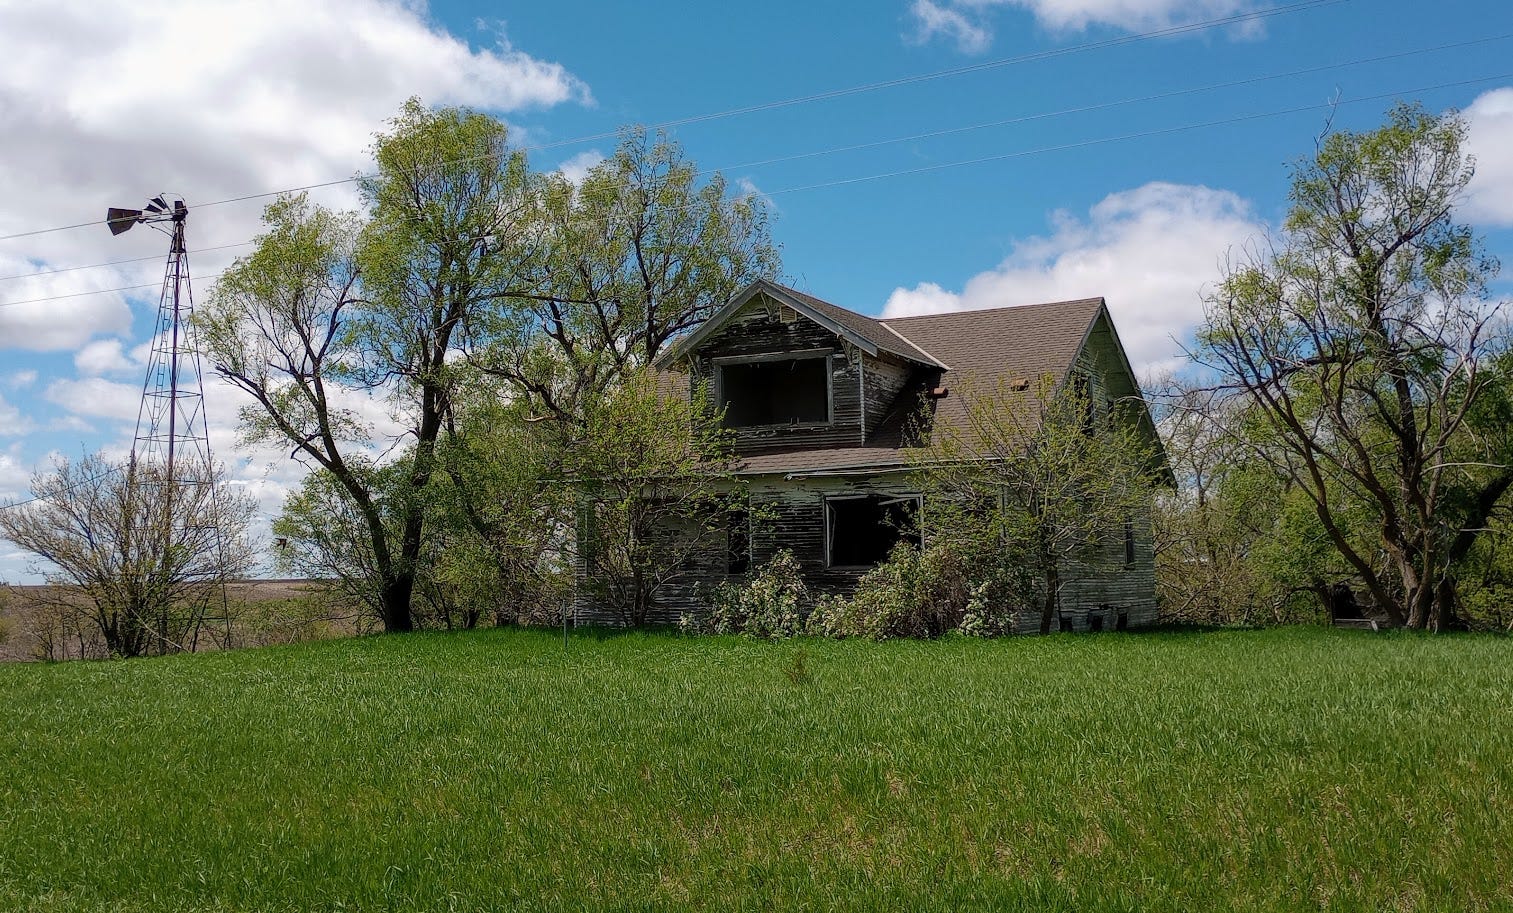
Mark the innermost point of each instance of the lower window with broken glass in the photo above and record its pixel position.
(862, 530)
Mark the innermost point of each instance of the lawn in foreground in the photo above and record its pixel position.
(1290, 769)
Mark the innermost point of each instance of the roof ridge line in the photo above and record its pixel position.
(1001, 307)
(917, 347)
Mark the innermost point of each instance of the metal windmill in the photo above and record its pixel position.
(172, 437)
(171, 426)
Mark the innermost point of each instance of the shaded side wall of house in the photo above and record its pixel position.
(795, 509)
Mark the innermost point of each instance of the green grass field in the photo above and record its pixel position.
(1264, 770)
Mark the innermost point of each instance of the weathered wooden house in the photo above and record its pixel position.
(820, 400)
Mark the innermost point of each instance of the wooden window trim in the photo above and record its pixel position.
(919, 517)
(717, 364)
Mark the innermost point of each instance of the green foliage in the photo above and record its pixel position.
(315, 615)
(490, 770)
(1363, 353)
(797, 670)
(322, 534)
(656, 473)
(641, 250)
(913, 594)
(501, 511)
(475, 298)
(1036, 479)
(771, 602)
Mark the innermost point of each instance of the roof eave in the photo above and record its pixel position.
(682, 347)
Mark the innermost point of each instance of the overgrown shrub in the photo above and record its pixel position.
(1488, 608)
(912, 594)
(770, 603)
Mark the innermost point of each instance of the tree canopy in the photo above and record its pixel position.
(1367, 359)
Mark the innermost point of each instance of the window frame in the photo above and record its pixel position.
(826, 532)
(719, 363)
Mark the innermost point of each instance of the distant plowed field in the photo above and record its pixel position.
(266, 611)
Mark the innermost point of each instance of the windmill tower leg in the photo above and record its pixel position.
(171, 453)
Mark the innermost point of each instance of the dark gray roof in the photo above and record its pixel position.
(867, 333)
(983, 349)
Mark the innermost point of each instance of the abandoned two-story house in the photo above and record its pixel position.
(820, 400)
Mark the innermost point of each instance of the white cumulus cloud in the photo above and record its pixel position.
(1149, 251)
(577, 168)
(12, 422)
(96, 397)
(944, 20)
(104, 356)
(1490, 139)
(969, 23)
(109, 103)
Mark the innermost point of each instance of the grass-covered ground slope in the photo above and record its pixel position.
(1290, 769)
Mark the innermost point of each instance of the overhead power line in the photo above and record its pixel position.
(1118, 103)
(78, 484)
(934, 134)
(1167, 32)
(75, 269)
(102, 291)
(1023, 153)
(1143, 134)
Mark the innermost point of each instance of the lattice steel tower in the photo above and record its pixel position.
(170, 454)
(171, 426)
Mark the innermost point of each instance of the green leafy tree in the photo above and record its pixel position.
(656, 476)
(1365, 341)
(332, 309)
(1041, 476)
(640, 251)
(504, 506)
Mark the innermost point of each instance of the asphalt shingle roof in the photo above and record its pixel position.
(982, 349)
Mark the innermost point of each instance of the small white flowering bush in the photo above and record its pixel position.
(769, 603)
(912, 594)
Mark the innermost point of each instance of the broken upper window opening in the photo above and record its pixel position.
(780, 391)
(862, 531)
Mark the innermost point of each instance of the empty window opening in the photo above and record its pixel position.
(1129, 541)
(738, 542)
(862, 531)
(780, 392)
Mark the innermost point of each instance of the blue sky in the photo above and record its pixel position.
(260, 95)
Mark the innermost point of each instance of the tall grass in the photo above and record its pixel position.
(1272, 770)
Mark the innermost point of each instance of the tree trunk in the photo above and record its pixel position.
(638, 598)
(395, 604)
(1446, 602)
(1048, 609)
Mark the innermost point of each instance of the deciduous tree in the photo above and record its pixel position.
(1039, 473)
(331, 308)
(1365, 339)
(139, 557)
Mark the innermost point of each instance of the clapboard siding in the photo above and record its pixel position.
(760, 330)
(791, 513)
(883, 381)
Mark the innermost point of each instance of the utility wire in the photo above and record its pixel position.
(1140, 135)
(940, 166)
(931, 134)
(1170, 31)
(103, 291)
(976, 161)
(74, 269)
(78, 484)
(1101, 106)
